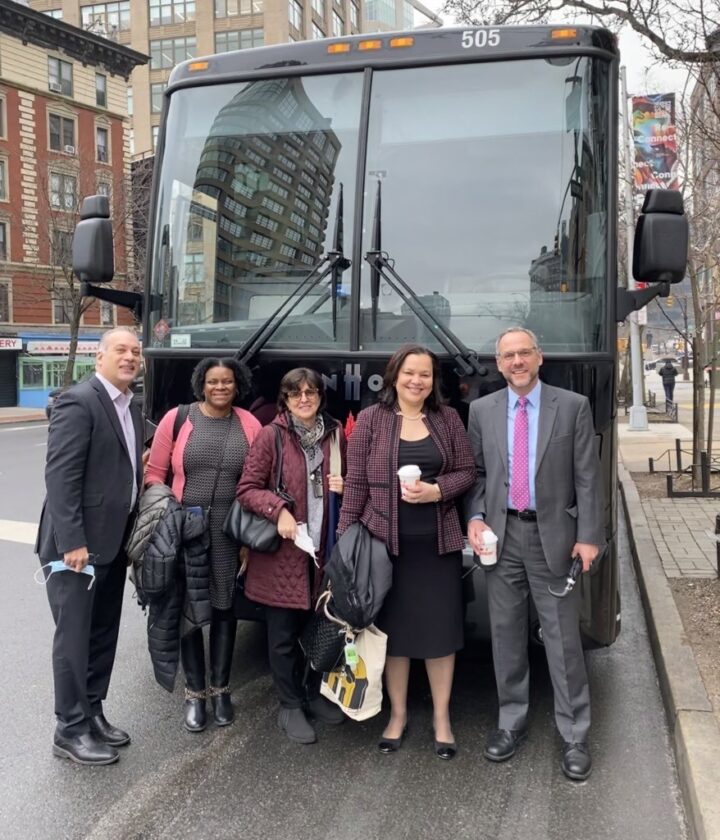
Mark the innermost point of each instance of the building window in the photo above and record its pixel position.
(295, 14)
(106, 19)
(194, 268)
(3, 179)
(62, 133)
(61, 247)
(63, 191)
(3, 116)
(337, 25)
(354, 15)
(102, 149)
(167, 52)
(317, 33)
(156, 97)
(155, 131)
(54, 13)
(5, 313)
(163, 12)
(4, 249)
(103, 188)
(60, 77)
(107, 314)
(232, 8)
(319, 7)
(101, 90)
(130, 101)
(240, 40)
(62, 307)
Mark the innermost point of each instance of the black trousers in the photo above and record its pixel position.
(287, 663)
(87, 622)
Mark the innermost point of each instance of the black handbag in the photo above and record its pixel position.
(248, 528)
(323, 637)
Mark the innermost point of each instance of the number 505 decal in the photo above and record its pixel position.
(480, 38)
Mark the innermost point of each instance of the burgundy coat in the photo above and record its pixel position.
(372, 489)
(282, 579)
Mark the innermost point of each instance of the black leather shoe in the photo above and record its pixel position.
(84, 749)
(391, 745)
(502, 743)
(576, 761)
(108, 733)
(222, 706)
(194, 715)
(445, 750)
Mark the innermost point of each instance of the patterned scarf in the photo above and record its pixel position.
(309, 437)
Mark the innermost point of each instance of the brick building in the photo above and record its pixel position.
(64, 134)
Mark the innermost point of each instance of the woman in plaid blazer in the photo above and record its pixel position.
(423, 613)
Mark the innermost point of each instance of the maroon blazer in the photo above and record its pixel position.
(372, 489)
(282, 579)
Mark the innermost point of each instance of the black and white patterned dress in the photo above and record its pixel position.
(215, 441)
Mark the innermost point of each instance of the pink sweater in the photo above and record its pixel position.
(163, 453)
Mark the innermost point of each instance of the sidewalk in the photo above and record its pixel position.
(668, 540)
(21, 415)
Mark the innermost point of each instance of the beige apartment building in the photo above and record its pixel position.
(171, 31)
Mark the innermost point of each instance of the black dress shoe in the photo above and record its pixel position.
(108, 733)
(445, 750)
(576, 761)
(391, 745)
(502, 743)
(84, 749)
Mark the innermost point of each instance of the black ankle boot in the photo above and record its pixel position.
(222, 644)
(192, 655)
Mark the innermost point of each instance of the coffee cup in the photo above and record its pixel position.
(408, 474)
(488, 553)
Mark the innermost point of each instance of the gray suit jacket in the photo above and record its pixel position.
(568, 487)
(88, 475)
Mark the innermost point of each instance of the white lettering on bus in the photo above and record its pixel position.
(480, 38)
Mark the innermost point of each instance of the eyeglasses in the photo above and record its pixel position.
(510, 355)
(310, 393)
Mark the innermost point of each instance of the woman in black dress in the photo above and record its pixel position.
(423, 612)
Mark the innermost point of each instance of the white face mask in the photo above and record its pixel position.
(59, 566)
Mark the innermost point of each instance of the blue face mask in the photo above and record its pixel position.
(59, 566)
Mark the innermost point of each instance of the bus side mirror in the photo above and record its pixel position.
(661, 239)
(92, 250)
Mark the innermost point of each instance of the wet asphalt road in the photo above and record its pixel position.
(249, 782)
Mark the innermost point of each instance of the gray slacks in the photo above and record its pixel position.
(522, 571)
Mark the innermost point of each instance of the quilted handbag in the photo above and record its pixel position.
(323, 637)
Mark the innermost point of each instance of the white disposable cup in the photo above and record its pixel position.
(488, 554)
(408, 474)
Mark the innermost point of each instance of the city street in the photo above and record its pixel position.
(248, 782)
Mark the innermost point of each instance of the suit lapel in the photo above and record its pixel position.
(546, 421)
(137, 420)
(109, 408)
(499, 413)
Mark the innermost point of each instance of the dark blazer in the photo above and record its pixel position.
(568, 485)
(88, 475)
(372, 489)
(282, 579)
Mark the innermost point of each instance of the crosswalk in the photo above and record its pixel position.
(19, 532)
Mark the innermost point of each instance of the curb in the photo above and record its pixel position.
(23, 418)
(695, 730)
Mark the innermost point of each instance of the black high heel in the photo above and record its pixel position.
(445, 750)
(391, 745)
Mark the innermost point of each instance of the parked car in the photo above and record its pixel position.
(138, 388)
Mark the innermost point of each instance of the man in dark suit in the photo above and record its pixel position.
(538, 488)
(93, 474)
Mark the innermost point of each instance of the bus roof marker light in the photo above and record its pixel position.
(197, 66)
(563, 34)
(375, 44)
(402, 42)
(338, 48)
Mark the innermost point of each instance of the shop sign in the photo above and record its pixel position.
(61, 348)
(10, 343)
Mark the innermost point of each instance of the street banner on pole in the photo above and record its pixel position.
(653, 126)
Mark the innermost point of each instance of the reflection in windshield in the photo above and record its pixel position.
(494, 185)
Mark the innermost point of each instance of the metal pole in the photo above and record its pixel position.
(638, 414)
(717, 544)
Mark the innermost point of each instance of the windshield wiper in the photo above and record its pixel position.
(376, 248)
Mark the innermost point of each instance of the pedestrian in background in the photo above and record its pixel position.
(539, 490)
(423, 611)
(93, 474)
(288, 580)
(207, 458)
(668, 372)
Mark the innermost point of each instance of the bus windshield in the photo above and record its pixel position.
(485, 183)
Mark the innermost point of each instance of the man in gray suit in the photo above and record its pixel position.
(538, 489)
(93, 474)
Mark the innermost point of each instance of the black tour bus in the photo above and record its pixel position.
(322, 203)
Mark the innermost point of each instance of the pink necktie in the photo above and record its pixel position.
(519, 483)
